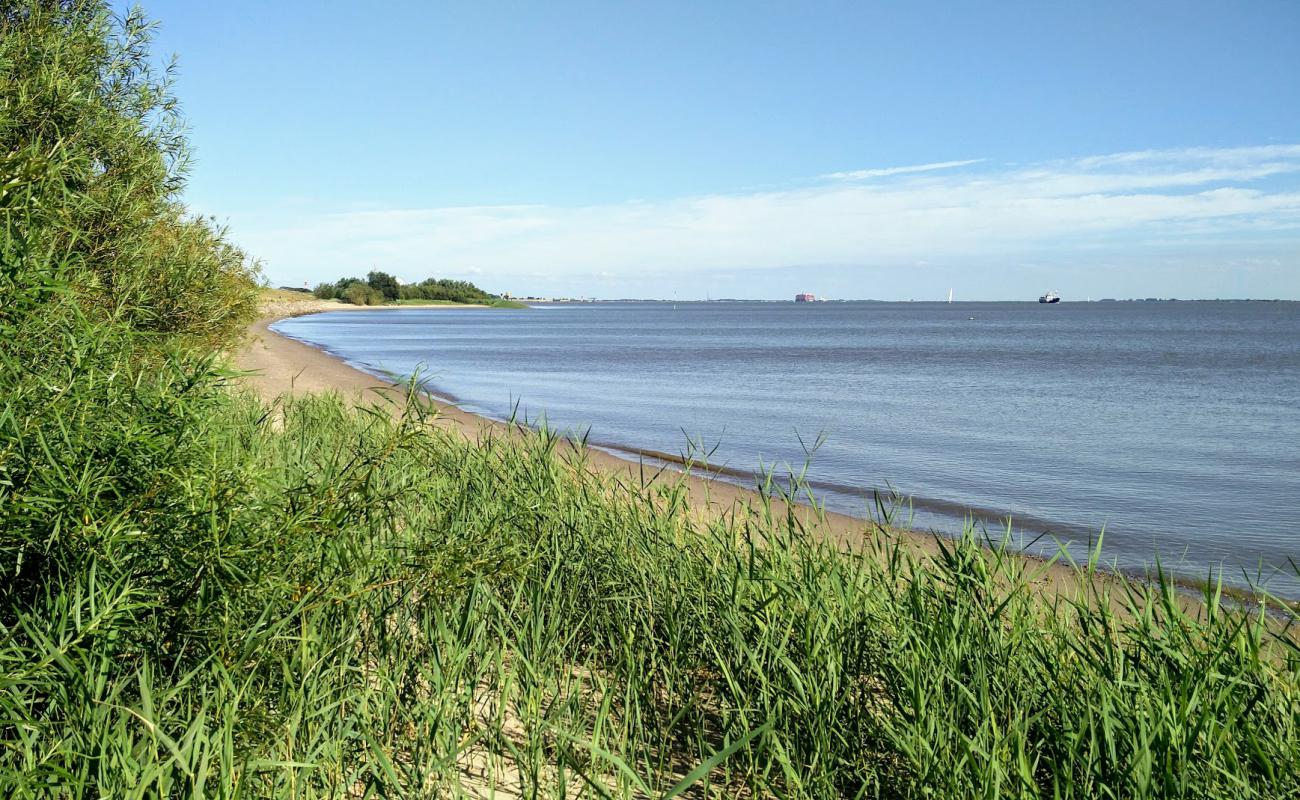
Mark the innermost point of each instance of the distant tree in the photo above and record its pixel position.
(325, 291)
(387, 287)
(385, 284)
(447, 289)
(362, 294)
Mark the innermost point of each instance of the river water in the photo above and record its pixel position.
(1175, 426)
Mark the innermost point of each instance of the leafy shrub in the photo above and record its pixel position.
(444, 290)
(383, 283)
(84, 107)
(360, 294)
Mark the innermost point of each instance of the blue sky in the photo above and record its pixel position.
(884, 151)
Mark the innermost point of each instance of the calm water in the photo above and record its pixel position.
(1174, 425)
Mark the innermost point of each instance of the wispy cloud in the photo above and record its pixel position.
(1108, 204)
(1224, 156)
(884, 172)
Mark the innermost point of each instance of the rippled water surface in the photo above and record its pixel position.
(1174, 425)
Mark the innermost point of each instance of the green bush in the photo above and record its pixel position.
(88, 120)
(383, 283)
(446, 289)
(388, 290)
(360, 294)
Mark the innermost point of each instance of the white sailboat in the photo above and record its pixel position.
(950, 295)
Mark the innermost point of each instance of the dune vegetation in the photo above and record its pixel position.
(207, 595)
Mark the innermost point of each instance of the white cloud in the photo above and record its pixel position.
(1205, 155)
(861, 174)
(1110, 203)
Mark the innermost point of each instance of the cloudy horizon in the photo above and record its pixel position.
(1227, 220)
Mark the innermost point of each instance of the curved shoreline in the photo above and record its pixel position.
(1026, 526)
(274, 365)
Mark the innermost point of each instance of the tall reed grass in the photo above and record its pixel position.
(315, 601)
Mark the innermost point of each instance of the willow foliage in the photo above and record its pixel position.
(93, 157)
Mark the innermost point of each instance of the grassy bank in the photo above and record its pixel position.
(277, 302)
(342, 600)
(206, 595)
(489, 303)
(274, 298)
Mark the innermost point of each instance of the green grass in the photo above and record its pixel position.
(293, 601)
(204, 595)
(268, 295)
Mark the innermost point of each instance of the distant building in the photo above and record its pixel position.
(804, 297)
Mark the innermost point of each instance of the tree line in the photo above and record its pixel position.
(380, 287)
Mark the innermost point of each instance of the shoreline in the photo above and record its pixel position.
(275, 365)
